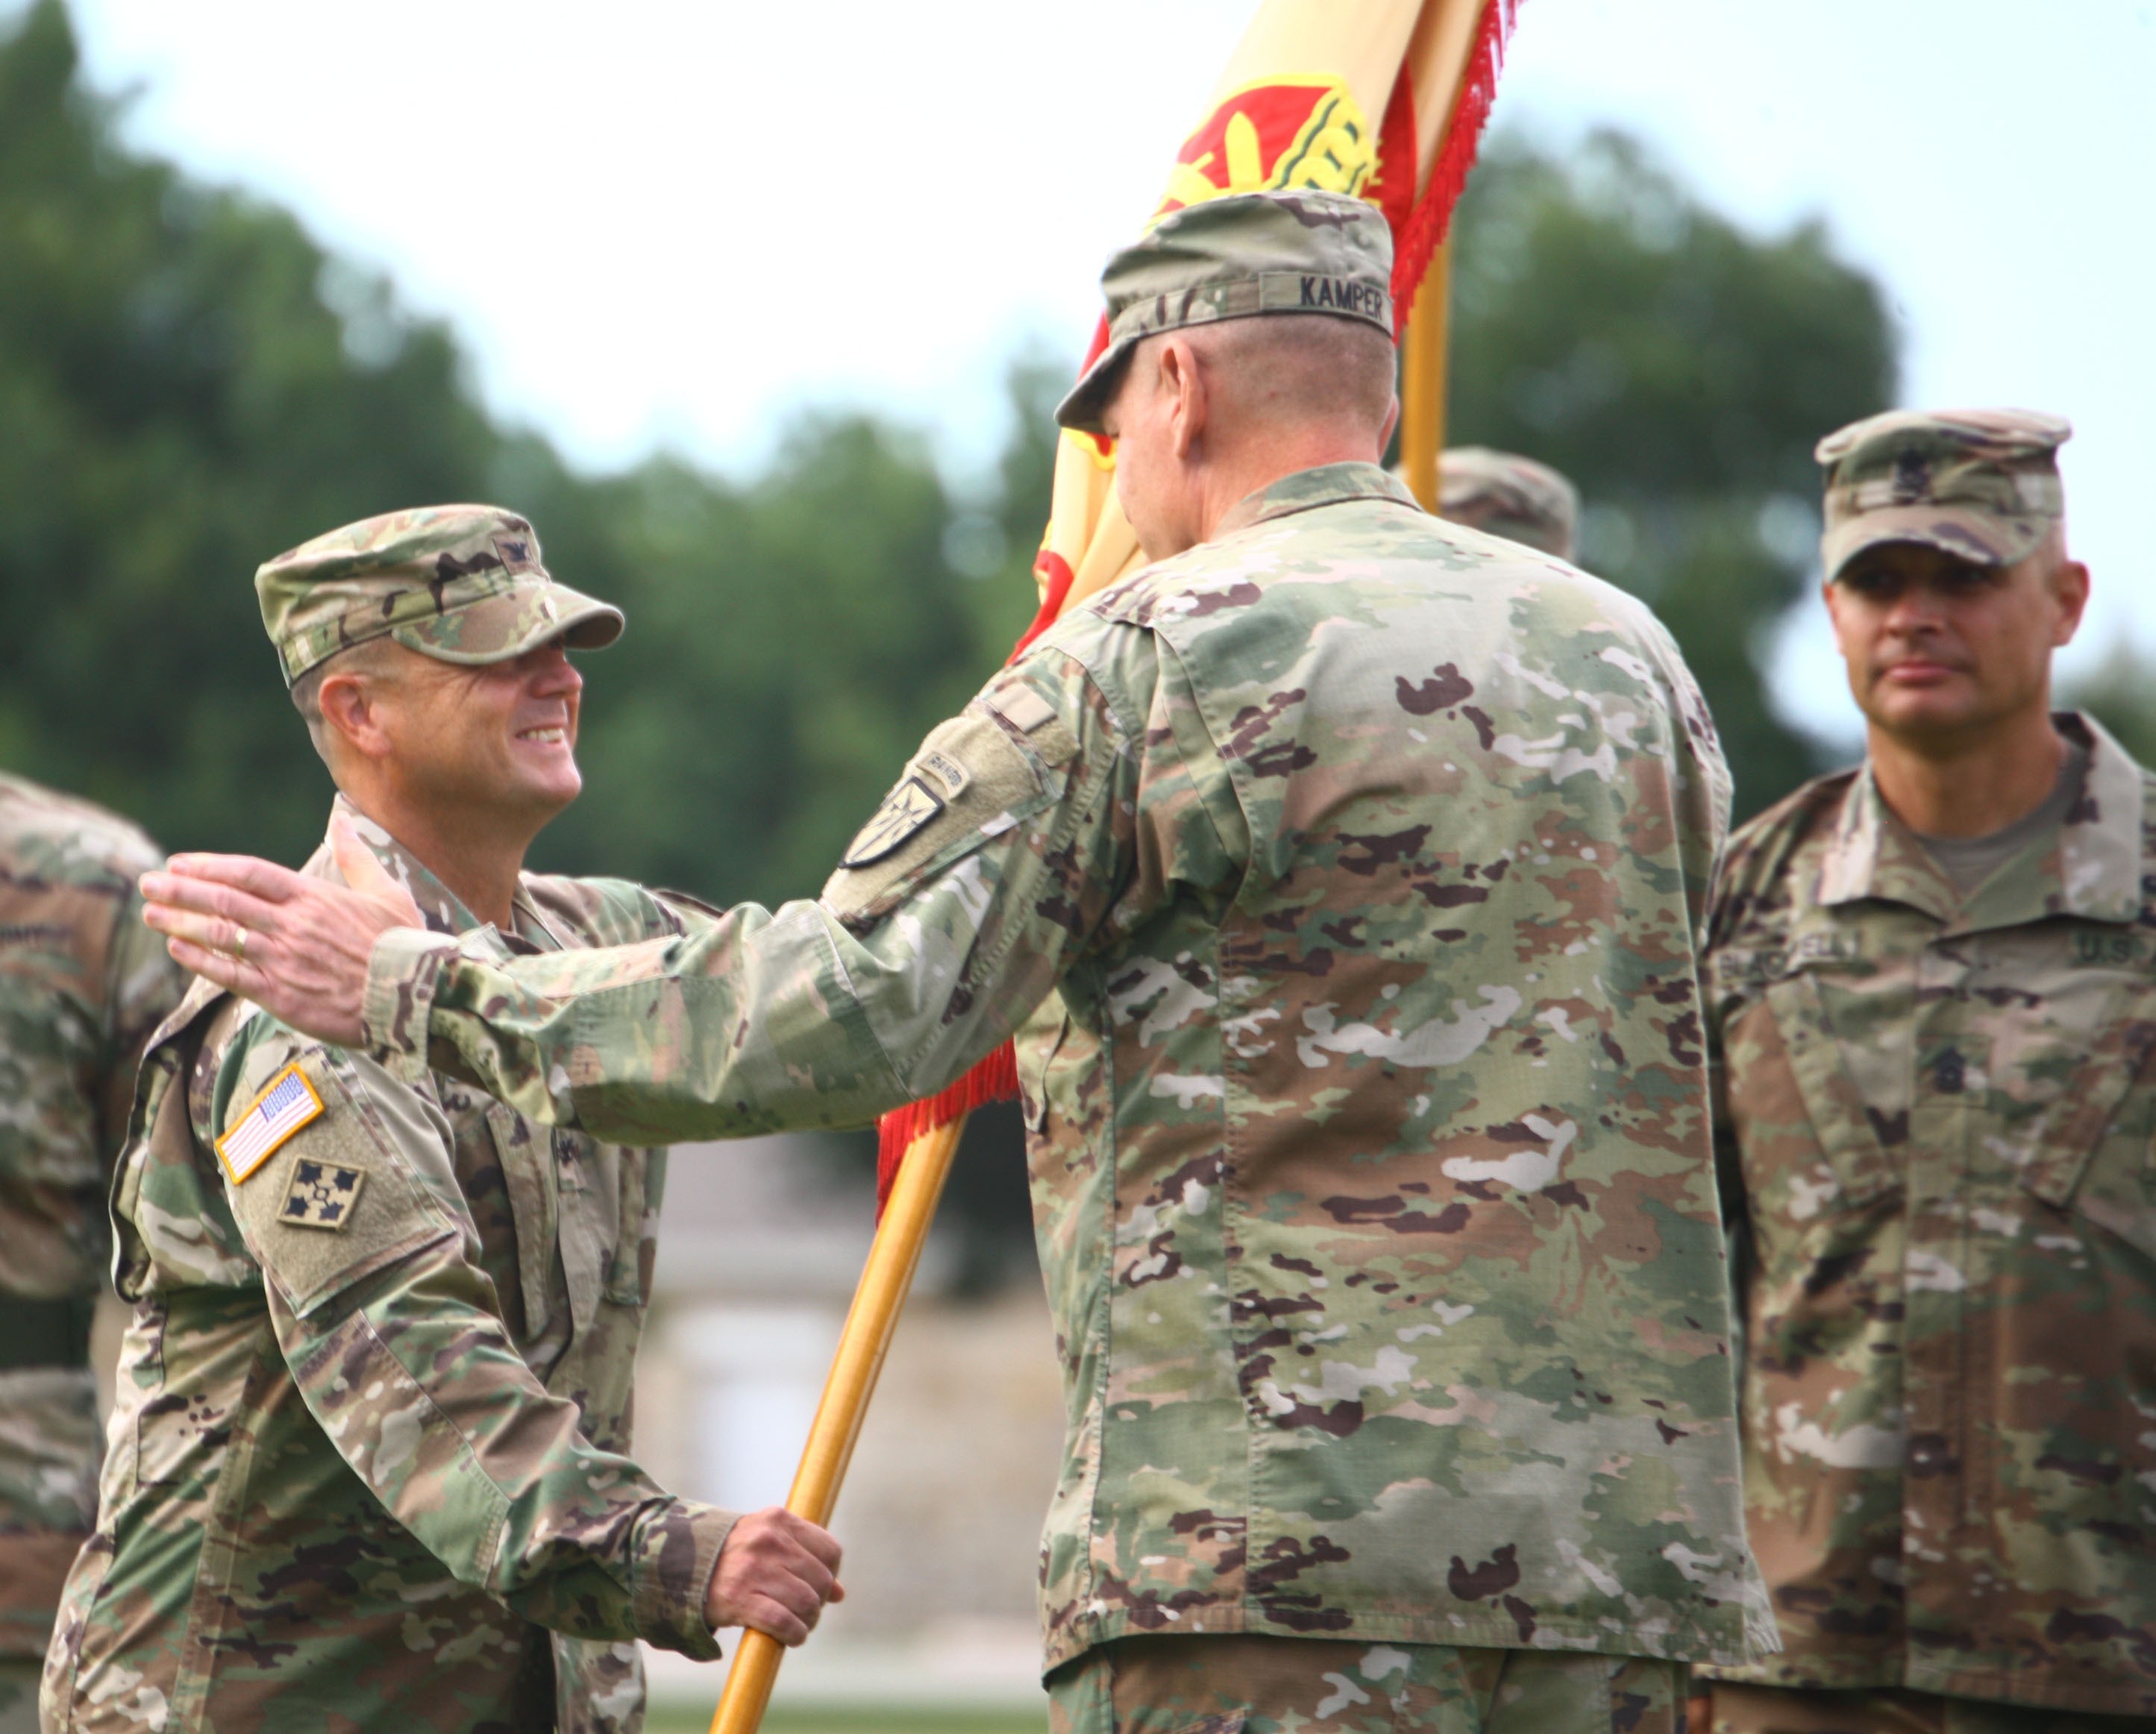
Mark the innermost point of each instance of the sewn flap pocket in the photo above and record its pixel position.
(527, 1173)
(1862, 1141)
(2053, 1152)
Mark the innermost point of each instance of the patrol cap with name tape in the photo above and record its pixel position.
(1503, 494)
(1236, 257)
(1982, 485)
(459, 583)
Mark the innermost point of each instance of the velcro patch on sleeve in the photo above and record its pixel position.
(970, 781)
(322, 1195)
(905, 810)
(345, 1197)
(287, 1103)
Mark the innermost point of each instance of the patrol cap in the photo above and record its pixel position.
(459, 583)
(1235, 257)
(1982, 485)
(1506, 495)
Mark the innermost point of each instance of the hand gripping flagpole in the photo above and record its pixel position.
(870, 1324)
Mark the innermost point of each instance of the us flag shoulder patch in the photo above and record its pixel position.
(287, 1103)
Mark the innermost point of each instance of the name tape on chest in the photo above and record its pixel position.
(322, 1195)
(287, 1103)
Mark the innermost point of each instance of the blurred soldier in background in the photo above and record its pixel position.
(1933, 995)
(82, 984)
(1503, 494)
(374, 1403)
(1346, 873)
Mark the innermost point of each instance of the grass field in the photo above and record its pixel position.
(801, 1719)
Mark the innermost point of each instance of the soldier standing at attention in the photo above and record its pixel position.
(369, 1469)
(1503, 494)
(1341, 872)
(79, 993)
(1933, 997)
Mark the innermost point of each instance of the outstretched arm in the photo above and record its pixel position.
(1058, 796)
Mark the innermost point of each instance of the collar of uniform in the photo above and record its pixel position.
(1874, 855)
(1328, 484)
(2096, 867)
(2095, 871)
(441, 910)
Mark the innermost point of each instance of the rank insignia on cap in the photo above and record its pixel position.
(905, 810)
(516, 553)
(287, 1103)
(322, 1195)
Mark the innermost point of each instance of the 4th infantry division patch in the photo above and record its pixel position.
(322, 1195)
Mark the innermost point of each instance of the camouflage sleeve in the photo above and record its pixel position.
(341, 1180)
(142, 985)
(1062, 795)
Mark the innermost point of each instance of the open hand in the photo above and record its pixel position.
(296, 946)
(775, 1573)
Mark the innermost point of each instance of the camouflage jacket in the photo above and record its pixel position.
(375, 1397)
(1937, 1121)
(82, 984)
(1345, 874)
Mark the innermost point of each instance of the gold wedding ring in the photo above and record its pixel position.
(239, 942)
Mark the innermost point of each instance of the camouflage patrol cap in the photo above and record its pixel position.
(1979, 483)
(1233, 258)
(459, 583)
(1505, 494)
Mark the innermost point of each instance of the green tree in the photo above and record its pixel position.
(1680, 370)
(190, 385)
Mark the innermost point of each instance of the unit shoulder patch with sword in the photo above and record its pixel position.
(905, 810)
(287, 1102)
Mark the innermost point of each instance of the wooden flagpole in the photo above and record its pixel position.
(1422, 380)
(885, 1280)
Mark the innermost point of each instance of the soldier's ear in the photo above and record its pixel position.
(2070, 592)
(352, 712)
(1183, 380)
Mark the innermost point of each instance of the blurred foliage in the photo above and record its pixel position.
(1680, 370)
(2120, 692)
(190, 384)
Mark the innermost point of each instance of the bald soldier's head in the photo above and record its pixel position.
(1250, 338)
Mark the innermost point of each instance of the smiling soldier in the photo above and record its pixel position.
(373, 1402)
(1933, 996)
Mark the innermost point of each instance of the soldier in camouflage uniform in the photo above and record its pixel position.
(1503, 494)
(368, 1468)
(1340, 874)
(1934, 1002)
(82, 984)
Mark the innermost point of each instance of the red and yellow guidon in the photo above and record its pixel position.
(1299, 131)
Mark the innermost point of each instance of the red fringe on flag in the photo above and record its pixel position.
(994, 1079)
(1426, 227)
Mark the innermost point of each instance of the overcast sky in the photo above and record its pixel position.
(659, 222)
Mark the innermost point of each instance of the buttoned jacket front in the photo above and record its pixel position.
(1936, 1123)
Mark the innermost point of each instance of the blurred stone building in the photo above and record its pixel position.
(761, 1242)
